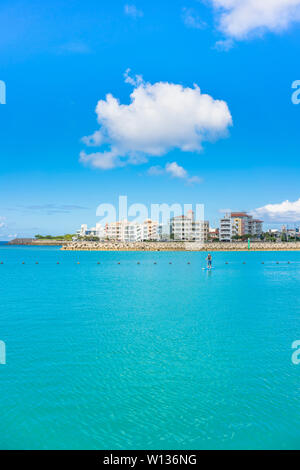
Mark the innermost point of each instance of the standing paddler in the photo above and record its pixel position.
(209, 261)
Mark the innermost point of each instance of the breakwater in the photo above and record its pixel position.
(35, 242)
(180, 246)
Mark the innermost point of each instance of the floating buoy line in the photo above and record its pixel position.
(170, 262)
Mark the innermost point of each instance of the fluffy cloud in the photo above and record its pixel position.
(160, 117)
(175, 171)
(191, 19)
(283, 212)
(239, 19)
(131, 10)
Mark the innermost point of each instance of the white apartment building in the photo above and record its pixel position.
(114, 231)
(186, 228)
(97, 231)
(124, 231)
(226, 229)
(239, 223)
(151, 230)
(131, 232)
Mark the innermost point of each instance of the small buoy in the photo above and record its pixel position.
(119, 262)
(36, 262)
(262, 262)
(78, 262)
(57, 262)
(23, 262)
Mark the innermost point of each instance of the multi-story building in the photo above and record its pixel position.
(97, 231)
(186, 228)
(124, 231)
(256, 227)
(82, 231)
(226, 229)
(131, 232)
(239, 224)
(113, 231)
(151, 230)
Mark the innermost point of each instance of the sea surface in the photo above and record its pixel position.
(148, 356)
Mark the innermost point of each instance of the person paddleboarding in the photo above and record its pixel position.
(209, 261)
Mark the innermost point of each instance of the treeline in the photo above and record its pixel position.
(67, 237)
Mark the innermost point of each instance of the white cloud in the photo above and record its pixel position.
(2, 222)
(194, 180)
(240, 19)
(175, 171)
(160, 117)
(191, 19)
(102, 160)
(283, 212)
(131, 10)
(134, 81)
(156, 170)
(224, 44)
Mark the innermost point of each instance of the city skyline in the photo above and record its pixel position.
(225, 128)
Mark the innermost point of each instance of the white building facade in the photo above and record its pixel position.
(226, 229)
(186, 228)
(238, 224)
(124, 231)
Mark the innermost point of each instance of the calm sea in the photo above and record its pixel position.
(148, 356)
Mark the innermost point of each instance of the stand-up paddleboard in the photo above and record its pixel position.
(207, 269)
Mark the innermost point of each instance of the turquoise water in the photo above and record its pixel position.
(148, 356)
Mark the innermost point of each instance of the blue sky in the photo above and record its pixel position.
(59, 58)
